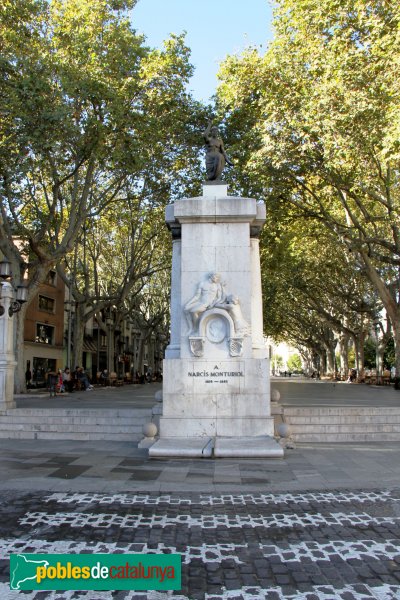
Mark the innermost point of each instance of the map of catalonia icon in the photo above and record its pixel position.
(23, 569)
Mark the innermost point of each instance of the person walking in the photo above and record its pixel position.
(52, 379)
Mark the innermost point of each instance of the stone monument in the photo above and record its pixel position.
(216, 388)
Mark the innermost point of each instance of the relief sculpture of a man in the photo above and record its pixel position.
(210, 293)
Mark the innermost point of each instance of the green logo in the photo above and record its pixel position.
(95, 571)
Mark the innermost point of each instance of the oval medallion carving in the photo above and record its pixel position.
(216, 329)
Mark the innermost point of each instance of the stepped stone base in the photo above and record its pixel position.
(343, 424)
(248, 447)
(182, 448)
(123, 425)
(222, 447)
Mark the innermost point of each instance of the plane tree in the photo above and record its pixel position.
(86, 107)
(315, 125)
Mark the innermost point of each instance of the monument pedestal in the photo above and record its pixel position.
(216, 388)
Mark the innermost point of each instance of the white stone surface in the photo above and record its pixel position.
(173, 349)
(195, 447)
(215, 190)
(149, 430)
(247, 447)
(256, 301)
(146, 442)
(275, 395)
(217, 210)
(218, 383)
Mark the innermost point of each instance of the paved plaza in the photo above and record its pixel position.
(322, 523)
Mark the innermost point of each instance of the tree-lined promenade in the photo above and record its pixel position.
(98, 134)
(315, 126)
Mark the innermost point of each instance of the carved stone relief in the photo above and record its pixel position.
(216, 316)
(196, 346)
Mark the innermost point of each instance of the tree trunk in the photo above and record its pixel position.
(111, 349)
(396, 337)
(359, 340)
(322, 362)
(380, 351)
(389, 297)
(344, 356)
(330, 355)
(141, 345)
(79, 331)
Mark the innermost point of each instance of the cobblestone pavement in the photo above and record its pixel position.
(329, 545)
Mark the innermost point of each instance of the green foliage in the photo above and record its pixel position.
(277, 361)
(89, 111)
(315, 124)
(370, 353)
(389, 359)
(97, 134)
(352, 358)
(294, 363)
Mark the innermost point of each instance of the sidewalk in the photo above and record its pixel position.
(120, 466)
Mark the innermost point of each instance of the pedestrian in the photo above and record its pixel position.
(52, 379)
(104, 377)
(60, 382)
(67, 380)
(28, 377)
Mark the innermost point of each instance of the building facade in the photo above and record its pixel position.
(44, 330)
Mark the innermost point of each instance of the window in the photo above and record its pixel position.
(44, 334)
(51, 278)
(47, 304)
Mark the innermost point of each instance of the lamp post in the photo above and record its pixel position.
(11, 301)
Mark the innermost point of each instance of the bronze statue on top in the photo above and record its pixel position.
(216, 156)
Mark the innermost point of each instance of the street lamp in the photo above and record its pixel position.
(21, 295)
(11, 301)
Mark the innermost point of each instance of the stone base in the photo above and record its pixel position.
(247, 447)
(199, 447)
(220, 447)
(216, 426)
(211, 398)
(147, 443)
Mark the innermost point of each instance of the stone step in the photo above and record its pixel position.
(346, 437)
(84, 412)
(59, 435)
(74, 424)
(89, 427)
(356, 428)
(343, 419)
(78, 420)
(339, 410)
(343, 424)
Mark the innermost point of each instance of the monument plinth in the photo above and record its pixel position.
(216, 389)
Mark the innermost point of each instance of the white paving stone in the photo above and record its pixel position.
(325, 592)
(279, 520)
(223, 499)
(208, 553)
(346, 550)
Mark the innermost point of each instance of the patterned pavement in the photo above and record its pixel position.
(321, 524)
(330, 545)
